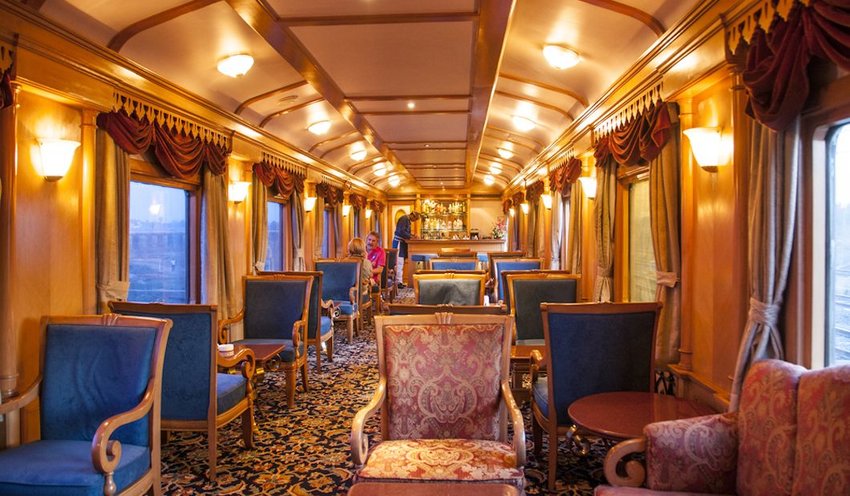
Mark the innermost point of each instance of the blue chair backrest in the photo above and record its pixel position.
(450, 291)
(91, 373)
(187, 368)
(529, 294)
(598, 352)
(437, 264)
(508, 264)
(314, 312)
(339, 278)
(272, 306)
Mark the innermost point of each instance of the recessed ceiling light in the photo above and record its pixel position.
(411, 105)
(358, 154)
(235, 65)
(505, 153)
(560, 57)
(379, 169)
(523, 123)
(394, 180)
(489, 180)
(495, 168)
(319, 127)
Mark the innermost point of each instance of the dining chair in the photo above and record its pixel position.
(502, 264)
(455, 288)
(345, 287)
(445, 403)
(99, 391)
(592, 348)
(414, 309)
(453, 263)
(275, 311)
(195, 395)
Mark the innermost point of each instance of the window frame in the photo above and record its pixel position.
(285, 231)
(626, 175)
(147, 173)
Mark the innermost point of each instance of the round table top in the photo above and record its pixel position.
(624, 414)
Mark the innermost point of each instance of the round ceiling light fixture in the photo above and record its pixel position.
(489, 180)
(495, 168)
(235, 65)
(523, 123)
(319, 127)
(560, 57)
(505, 153)
(394, 180)
(379, 169)
(357, 154)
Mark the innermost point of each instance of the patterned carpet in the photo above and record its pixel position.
(305, 450)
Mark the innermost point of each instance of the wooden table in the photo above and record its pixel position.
(623, 415)
(431, 489)
(265, 356)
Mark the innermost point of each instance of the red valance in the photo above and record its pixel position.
(281, 182)
(332, 195)
(357, 201)
(376, 206)
(518, 198)
(6, 96)
(533, 191)
(180, 155)
(506, 205)
(561, 178)
(776, 73)
(639, 140)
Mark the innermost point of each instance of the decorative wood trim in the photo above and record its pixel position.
(144, 110)
(428, 149)
(761, 16)
(627, 10)
(416, 142)
(629, 111)
(390, 98)
(510, 133)
(330, 140)
(535, 102)
(285, 111)
(242, 106)
(122, 37)
(8, 54)
(337, 147)
(414, 112)
(347, 20)
(284, 163)
(564, 91)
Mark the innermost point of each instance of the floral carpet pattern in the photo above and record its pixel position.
(305, 450)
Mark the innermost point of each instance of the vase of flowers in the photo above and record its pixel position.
(498, 231)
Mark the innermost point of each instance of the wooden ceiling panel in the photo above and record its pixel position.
(399, 104)
(420, 127)
(432, 156)
(328, 8)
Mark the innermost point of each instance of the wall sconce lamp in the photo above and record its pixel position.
(346, 209)
(588, 186)
(547, 200)
(56, 158)
(512, 212)
(309, 203)
(368, 213)
(524, 206)
(238, 191)
(706, 145)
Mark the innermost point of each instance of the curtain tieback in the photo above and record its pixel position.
(299, 253)
(606, 271)
(114, 290)
(668, 279)
(260, 265)
(763, 313)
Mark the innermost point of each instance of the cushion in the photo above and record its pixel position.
(326, 325)
(540, 393)
(439, 460)
(230, 390)
(443, 380)
(528, 295)
(345, 307)
(65, 468)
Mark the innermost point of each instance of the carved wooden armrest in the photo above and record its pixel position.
(245, 357)
(22, 400)
(359, 439)
(518, 441)
(299, 334)
(621, 472)
(224, 326)
(537, 364)
(105, 452)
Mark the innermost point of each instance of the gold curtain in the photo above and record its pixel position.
(319, 228)
(557, 230)
(604, 209)
(574, 236)
(112, 217)
(259, 224)
(219, 281)
(296, 211)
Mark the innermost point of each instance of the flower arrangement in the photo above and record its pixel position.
(499, 227)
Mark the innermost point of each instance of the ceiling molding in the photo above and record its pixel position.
(293, 108)
(564, 91)
(414, 112)
(535, 102)
(509, 140)
(337, 147)
(289, 87)
(346, 20)
(627, 10)
(331, 140)
(122, 37)
(516, 135)
(390, 98)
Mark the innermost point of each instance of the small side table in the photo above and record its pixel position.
(431, 489)
(266, 357)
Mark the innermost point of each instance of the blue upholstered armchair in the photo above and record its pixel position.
(195, 396)
(593, 348)
(320, 329)
(502, 264)
(343, 285)
(449, 288)
(99, 392)
(275, 309)
(453, 263)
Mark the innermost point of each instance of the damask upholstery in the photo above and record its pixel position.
(503, 264)
(591, 348)
(340, 276)
(444, 400)
(790, 436)
(195, 396)
(449, 288)
(275, 310)
(99, 392)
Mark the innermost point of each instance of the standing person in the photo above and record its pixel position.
(402, 234)
(376, 256)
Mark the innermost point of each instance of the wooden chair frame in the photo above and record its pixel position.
(354, 322)
(439, 275)
(244, 360)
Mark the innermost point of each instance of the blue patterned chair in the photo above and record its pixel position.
(275, 309)
(449, 288)
(320, 329)
(195, 396)
(502, 264)
(488, 264)
(453, 263)
(344, 286)
(413, 309)
(593, 348)
(445, 403)
(99, 402)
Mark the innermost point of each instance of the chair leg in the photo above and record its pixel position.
(330, 348)
(248, 427)
(213, 441)
(350, 323)
(319, 355)
(304, 378)
(536, 435)
(553, 459)
(291, 371)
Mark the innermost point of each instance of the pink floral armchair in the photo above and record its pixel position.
(791, 436)
(444, 398)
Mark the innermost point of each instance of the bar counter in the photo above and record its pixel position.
(433, 246)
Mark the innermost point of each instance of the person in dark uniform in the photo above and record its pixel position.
(400, 237)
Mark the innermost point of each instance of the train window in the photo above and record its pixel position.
(641, 253)
(274, 250)
(159, 243)
(838, 247)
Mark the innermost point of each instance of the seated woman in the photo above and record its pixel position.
(357, 248)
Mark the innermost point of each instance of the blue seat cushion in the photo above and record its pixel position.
(345, 307)
(286, 356)
(326, 325)
(56, 467)
(540, 393)
(230, 390)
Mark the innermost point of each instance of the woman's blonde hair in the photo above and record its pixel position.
(357, 247)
